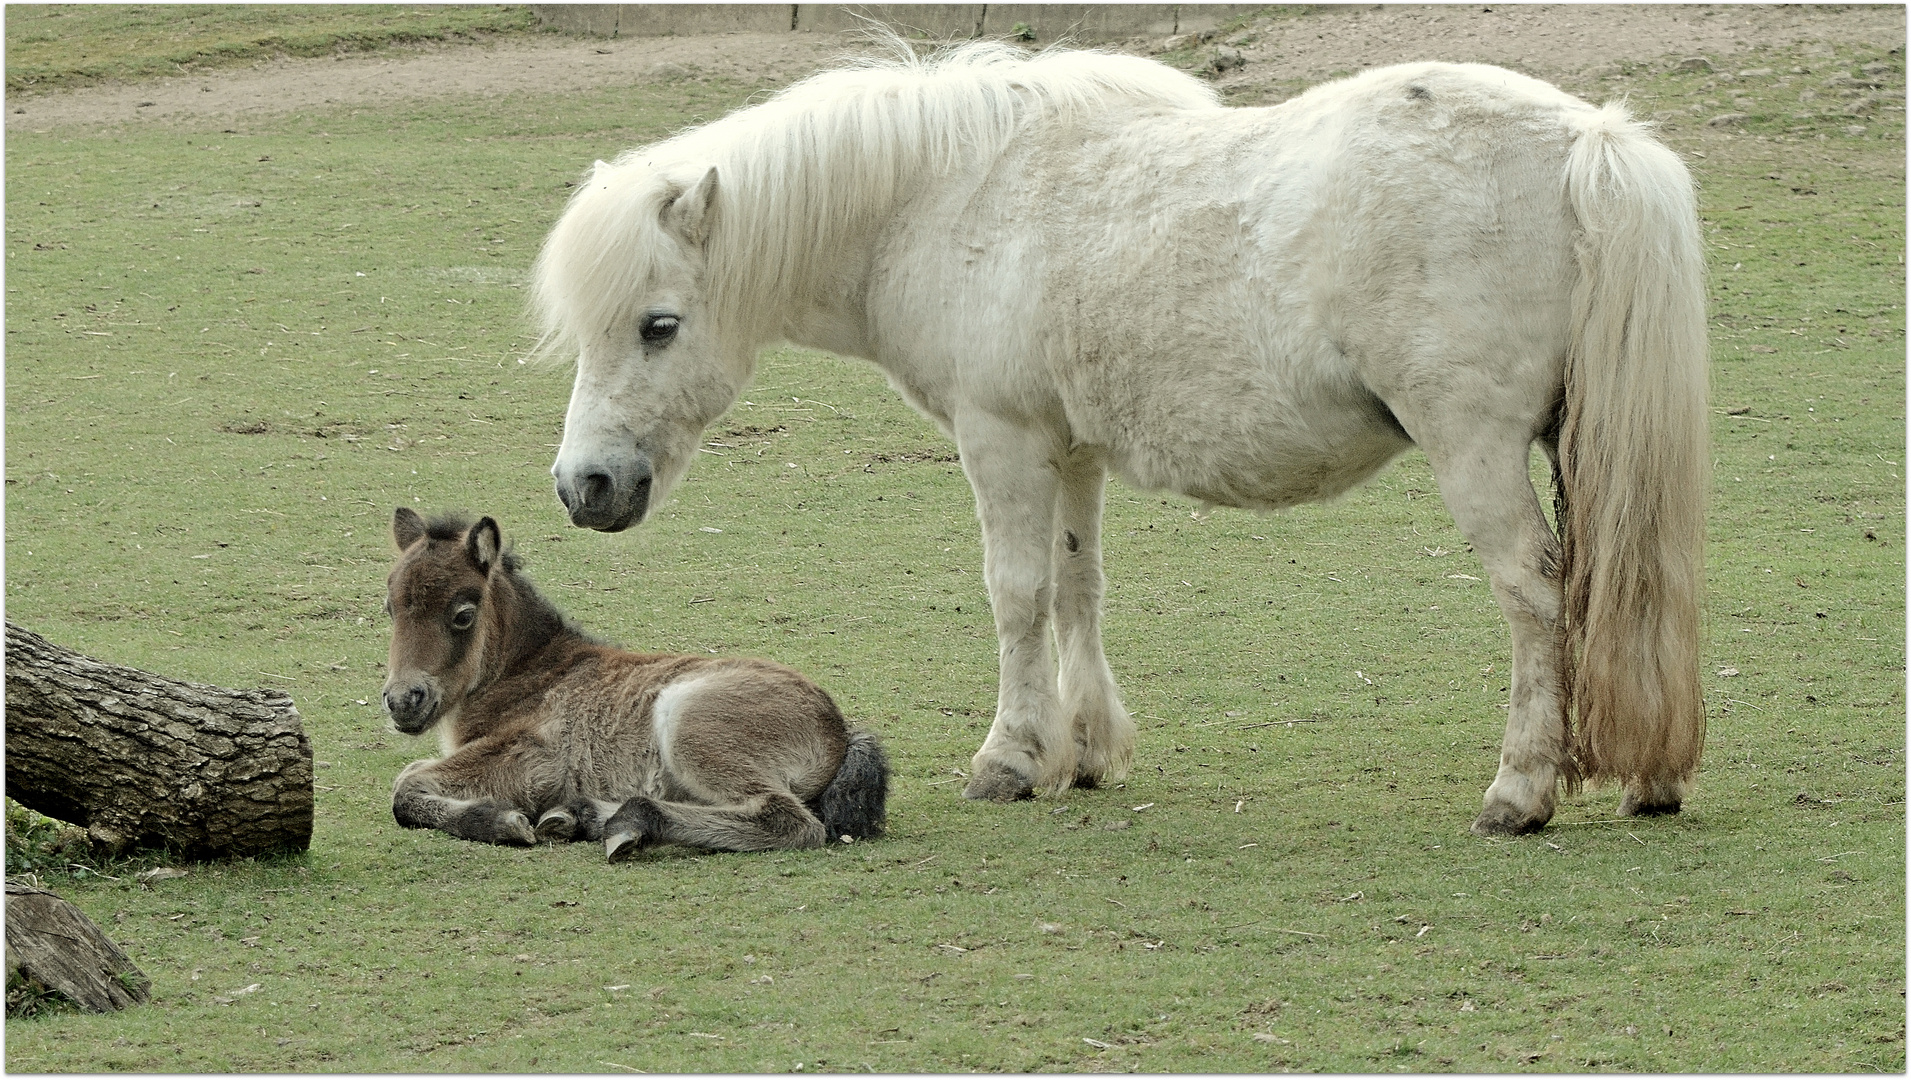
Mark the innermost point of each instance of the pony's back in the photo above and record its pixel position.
(823, 159)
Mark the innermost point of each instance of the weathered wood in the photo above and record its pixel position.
(53, 945)
(141, 760)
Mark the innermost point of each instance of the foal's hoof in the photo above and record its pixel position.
(622, 846)
(1502, 819)
(515, 828)
(998, 783)
(557, 827)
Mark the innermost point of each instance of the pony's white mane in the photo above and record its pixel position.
(816, 162)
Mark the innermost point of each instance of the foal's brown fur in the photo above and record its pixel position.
(550, 735)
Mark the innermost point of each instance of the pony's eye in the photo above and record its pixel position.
(658, 329)
(462, 618)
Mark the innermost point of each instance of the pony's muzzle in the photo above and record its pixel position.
(609, 496)
(411, 708)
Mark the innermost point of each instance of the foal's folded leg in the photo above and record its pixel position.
(764, 822)
(579, 819)
(488, 821)
(453, 795)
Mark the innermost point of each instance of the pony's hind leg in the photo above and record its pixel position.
(1104, 733)
(1484, 482)
(766, 822)
(1010, 467)
(1651, 798)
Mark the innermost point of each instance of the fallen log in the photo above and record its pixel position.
(140, 760)
(52, 945)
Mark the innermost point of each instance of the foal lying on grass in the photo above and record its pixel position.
(542, 724)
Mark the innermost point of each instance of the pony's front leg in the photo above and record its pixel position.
(1010, 466)
(1104, 734)
(437, 795)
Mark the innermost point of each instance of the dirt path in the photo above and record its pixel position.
(1555, 42)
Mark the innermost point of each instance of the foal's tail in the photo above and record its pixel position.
(854, 805)
(1633, 465)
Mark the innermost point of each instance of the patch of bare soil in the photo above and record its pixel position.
(1562, 43)
(1556, 42)
(535, 66)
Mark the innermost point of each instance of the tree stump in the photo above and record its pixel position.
(141, 760)
(52, 945)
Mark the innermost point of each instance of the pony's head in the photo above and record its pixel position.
(436, 598)
(622, 281)
(674, 264)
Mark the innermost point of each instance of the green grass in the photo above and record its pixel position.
(61, 45)
(37, 844)
(230, 354)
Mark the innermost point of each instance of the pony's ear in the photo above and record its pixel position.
(406, 527)
(689, 215)
(482, 544)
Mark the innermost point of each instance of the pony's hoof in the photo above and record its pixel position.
(1633, 805)
(1087, 781)
(998, 783)
(515, 828)
(1654, 797)
(1501, 819)
(556, 827)
(622, 846)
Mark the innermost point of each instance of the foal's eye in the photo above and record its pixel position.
(658, 329)
(462, 618)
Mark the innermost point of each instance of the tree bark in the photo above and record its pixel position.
(141, 760)
(52, 944)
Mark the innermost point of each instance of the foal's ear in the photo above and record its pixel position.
(482, 544)
(406, 527)
(689, 215)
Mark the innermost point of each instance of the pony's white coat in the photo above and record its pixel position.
(1078, 263)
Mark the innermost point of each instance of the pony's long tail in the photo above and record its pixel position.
(1633, 465)
(855, 804)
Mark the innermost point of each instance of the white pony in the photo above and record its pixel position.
(1078, 263)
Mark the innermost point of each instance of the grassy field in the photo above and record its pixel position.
(231, 353)
(60, 45)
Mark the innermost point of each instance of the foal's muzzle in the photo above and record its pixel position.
(609, 494)
(412, 708)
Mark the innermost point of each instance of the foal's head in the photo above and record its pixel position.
(436, 596)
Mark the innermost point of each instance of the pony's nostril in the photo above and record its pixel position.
(596, 488)
(608, 495)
